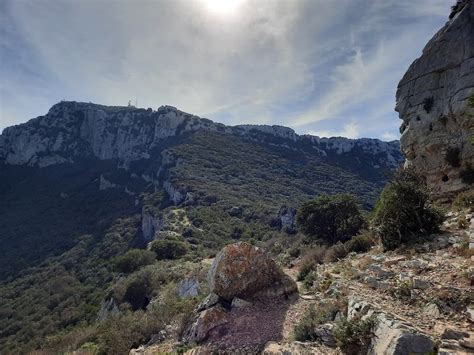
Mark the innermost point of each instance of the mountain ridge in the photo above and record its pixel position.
(130, 133)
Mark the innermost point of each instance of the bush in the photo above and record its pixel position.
(465, 200)
(305, 269)
(305, 329)
(332, 218)
(133, 260)
(137, 292)
(402, 213)
(354, 336)
(360, 243)
(168, 249)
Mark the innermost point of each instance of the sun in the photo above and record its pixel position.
(223, 7)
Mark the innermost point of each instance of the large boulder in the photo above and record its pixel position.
(433, 100)
(390, 337)
(245, 271)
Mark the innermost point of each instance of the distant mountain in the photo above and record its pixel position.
(86, 182)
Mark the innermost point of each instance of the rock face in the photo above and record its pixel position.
(75, 130)
(433, 100)
(390, 336)
(244, 271)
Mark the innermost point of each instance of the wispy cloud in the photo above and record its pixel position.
(313, 65)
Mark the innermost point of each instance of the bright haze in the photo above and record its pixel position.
(324, 67)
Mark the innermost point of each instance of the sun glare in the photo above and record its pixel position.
(223, 7)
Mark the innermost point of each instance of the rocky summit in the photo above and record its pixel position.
(435, 100)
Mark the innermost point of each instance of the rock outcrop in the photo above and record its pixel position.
(435, 101)
(74, 130)
(244, 271)
(241, 274)
(390, 337)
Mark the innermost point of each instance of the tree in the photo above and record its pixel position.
(134, 259)
(168, 249)
(332, 218)
(403, 212)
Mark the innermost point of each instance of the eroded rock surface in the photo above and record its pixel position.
(244, 271)
(433, 100)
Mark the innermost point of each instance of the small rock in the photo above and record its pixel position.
(324, 333)
(421, 284)
(394, 260)
(240, 303)
(415, 264)
(206, 321)
(379, 257)
(377, 270)
(188, 288)
(470, 313)
(450, 333)
(431, 310)
(211, 300)
(467, 343)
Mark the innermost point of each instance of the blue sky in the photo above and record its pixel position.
(324, 67)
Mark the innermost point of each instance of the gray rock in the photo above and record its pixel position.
(108, 308)
(450, 333)
(287, 217)
(188, 288)
(432, 100)
(380, 272)
(421, 284)
(432, 310)
(211, 300)
(240, 303)
(325, 334)
(390, 336)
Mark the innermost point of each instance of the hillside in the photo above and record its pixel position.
(85, 183)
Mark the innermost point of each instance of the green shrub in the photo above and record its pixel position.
(402, 213)
(305, 269)
(465, 200)
(168, 249)
(305, 329)
(133, 260)
(332, 218)
(137, 292)
(360, 243)
(354, 336)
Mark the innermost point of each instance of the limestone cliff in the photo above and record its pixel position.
(434, 100)
(74, 130)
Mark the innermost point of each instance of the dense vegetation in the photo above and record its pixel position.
(331, 218)
(68, 247)
(403, 213)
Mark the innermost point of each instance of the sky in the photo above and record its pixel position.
(322, 67)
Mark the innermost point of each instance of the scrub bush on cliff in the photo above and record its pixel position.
(403, 212)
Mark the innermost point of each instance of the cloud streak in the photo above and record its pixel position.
(312, 65)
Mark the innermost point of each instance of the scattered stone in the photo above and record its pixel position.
(421, 284)
(375, 284)
(379, 257)
(394, 260)
(188, 288)
(450, 333)
(467, 343)
(244, 271)
(431, 310)
(415, 264)
(325, 335)
(377, 270)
